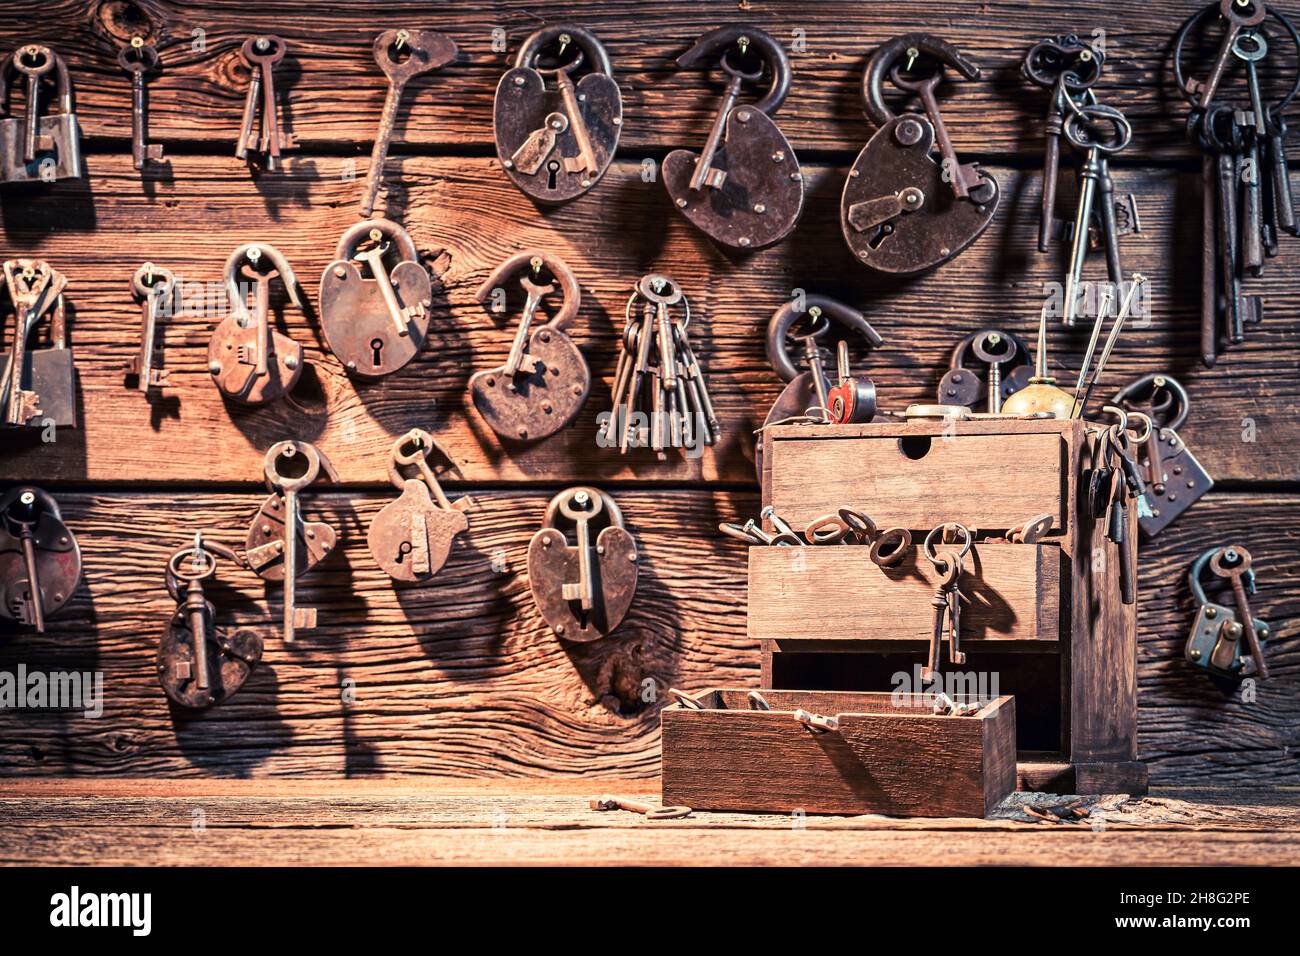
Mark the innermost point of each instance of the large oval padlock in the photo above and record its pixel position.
(199, 663)
(40, 561)
(411, 538)
(545, 380)
(251, 362)
(744, 189)
(903, 211)
(556, 142)
(375, 317)
(582, 591)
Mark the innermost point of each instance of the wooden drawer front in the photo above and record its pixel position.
(990, 481)
(836, 592)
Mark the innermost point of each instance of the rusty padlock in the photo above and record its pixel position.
(545, 380)
(201, 664)
(375, 324)
(250, 362)
(38, 386)
(38, 148)
(555, 144)
(583, 592)
(40, 561)
(744, 189)
(412, 537)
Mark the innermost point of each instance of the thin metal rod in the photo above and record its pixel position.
(1138, 282)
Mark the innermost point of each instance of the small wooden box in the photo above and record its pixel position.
(1046, 619)
(887, 756)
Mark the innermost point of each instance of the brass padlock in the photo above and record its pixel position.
(583, 592)
(555, 144)
(1218, 643)
(38, 386)
(545, 380)
(250, 362)
(40, 561)
(744, 188)
(199, 663)
(412, 537)
(39, 148)
(375, 324)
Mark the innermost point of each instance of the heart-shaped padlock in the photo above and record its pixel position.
(903, 212)
(583, 592)
(411, 538)
(545, 380)
(744, 189)
(36, 548)
(555, 144)
(375, 323)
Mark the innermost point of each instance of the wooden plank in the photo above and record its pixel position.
(333, 91)
(1244, 422)
(1013, 590)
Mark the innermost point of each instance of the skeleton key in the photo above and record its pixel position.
(425, 51)
(1216, 637)
(138, 60)
(950, 572)
(155, 289)
(192, 573)
(40, 561)
(580, 508)
(1122, 492)
(1280, 174)
(995, 348)
(1240, 14)
(1232, 563)
(412, 537)
(275, 558)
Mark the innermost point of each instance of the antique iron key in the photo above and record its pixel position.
(946, 547)
(556, 143)
(903, 212)
(280, 544)
(582, 592)
(38, 386)
(1216, 639)
(138, 60)
(545, 380)
(251, 362)
(40, 561)
(402, 55)
(375, 324)
(199, 663)
(1000, 350)
(38, 148)
(412, 537)
(744, 189)
(1175, 479)
(261, 54)
(155, 289)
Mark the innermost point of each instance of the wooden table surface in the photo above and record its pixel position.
(360, 823)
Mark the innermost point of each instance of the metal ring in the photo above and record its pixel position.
(928, 546)
(901, 541)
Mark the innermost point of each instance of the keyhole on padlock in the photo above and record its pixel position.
(403, 550)
(376, 350)
(883, 233)
(553, 171)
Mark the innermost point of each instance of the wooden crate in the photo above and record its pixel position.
(890, 756)
(1046, 619)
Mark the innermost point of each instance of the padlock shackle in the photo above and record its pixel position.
(359, 232)
(884, 58)
(1139, 385)
(597, 58)
(721, 39)
(1198, 569)
(316, 464)
(64, 97)
(570, 290)
(238, 305)
(785, 317)
(610, 507)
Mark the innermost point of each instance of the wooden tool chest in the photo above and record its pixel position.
(1045, 621)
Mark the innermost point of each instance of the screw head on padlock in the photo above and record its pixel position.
(555, 137)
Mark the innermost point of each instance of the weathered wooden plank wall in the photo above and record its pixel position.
(462, 677)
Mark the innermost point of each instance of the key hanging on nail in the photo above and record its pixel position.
(38, 147)
(280, 545)
(1219, 631)
(199, 663)
(138, 60)
(38, 386)
(40, 561)
(412, 537)
(155, 289)
(261, 54)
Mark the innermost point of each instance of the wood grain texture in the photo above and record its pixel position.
(465, 218)
(333, 91)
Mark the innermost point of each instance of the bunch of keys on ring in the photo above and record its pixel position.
(946, 547)
(661, 399)
(412, 537)
(1071, 68)
(40, 561)
(199, 663)
(744, 189)
(281, 545)
(1245, 180)
(1115, 485)
(1220, 630)
(261, 54)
